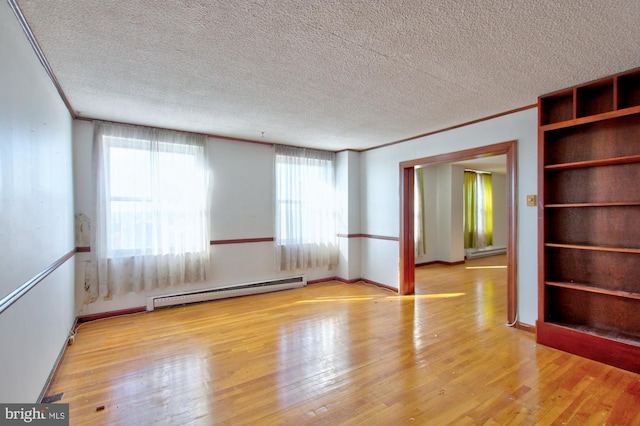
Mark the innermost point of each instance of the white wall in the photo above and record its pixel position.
(450, 213)
(380, 196)
(444, 207)
(348, 183)
(36, 216)
(431, 188)
(500, 209)
(241, 208)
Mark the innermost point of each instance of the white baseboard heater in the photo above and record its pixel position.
(174, 299)
(484, 252)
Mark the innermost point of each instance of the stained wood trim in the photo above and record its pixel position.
(234, 139)
(541, 220)
(16, 294)
(342, 280)
(512, 231)
(346, 281)
(241, 241)
(375, 237)
(592, 289)
(457, 126)
(594, 163)
(407, 276)
(383, 286)
(353, 281)
(595, 248)
(109, 314)
(590, 83)
(599, 348)
(231, 138)
(525, 327)
(613, 204)
(440, 262)
(209, 135)
(574, 93)
(56, 366)
(407, 263)
(380, 237)
(322, 280)
(40, 54)
(467, 154)
(616, 93)
(591, 118)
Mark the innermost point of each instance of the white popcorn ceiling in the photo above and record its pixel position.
(329, 74)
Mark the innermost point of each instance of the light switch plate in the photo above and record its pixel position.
(531, 200)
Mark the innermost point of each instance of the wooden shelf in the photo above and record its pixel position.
(595, 98)
(613, 183)
(599, 332)
(591, 119)
(595, 163)
(605, 346)
(589, 238)
(580, 205)
(628, 90)
(592, 289)
(594, 248)
(557, 107)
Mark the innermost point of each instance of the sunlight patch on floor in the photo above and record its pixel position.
(334, 299)
(428, 296)
(487, 267)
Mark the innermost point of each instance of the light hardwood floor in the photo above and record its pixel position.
(334, 354)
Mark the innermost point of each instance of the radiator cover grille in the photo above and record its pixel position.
(154, 302)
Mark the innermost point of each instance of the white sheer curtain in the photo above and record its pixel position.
(152, 209)
(305, 208)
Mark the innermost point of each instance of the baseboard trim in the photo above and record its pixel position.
(525, 327)
(346, 281)
(353, 281)
(440, 262)
(56, 366)
(109, 314)
(382, 286)
(322, 280)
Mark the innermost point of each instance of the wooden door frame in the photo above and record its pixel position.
(407, 251)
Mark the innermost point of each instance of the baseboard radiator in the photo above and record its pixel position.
(484, 252)
(245, 289)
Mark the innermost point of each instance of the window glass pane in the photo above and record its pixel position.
(130, 174)
(157, 198)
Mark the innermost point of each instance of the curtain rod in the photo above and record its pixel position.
(477, 171)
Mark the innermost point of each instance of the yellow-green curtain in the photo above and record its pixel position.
(487, 209)
(470, 208)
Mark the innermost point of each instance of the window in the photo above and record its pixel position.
(152, 208)
(305, 208)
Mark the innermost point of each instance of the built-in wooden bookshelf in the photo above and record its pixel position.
(589, 216)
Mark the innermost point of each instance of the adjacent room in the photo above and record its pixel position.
(278, 212)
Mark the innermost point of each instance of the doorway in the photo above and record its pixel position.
(407, 250)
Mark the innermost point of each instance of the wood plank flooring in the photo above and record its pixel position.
(332, 354)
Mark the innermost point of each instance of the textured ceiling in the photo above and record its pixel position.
(330, 74)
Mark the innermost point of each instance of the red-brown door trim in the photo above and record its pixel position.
(407, 254)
